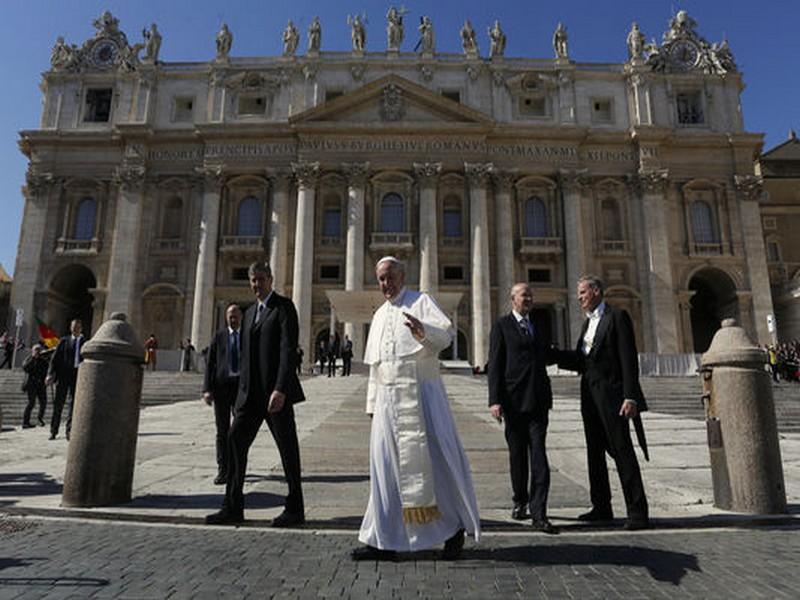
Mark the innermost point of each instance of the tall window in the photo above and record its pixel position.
(173, 214)
(393, 217)
(85, 216)
(332, 222)
(703, 223)
(535, 218)
(612, 220)
(249, 223)
(451, 218)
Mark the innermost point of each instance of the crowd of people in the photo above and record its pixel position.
(784, 360)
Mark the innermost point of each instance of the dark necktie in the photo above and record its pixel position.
(259, 310)
(526, 327)
(235, 352)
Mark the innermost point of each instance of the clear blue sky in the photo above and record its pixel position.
(763, 36)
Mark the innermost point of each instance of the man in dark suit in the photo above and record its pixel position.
(610, 396)
(268, 390)
(347, 356)
(519, 392)
(221, 382)
(63, 371)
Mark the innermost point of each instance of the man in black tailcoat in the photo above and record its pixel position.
(221, 382)
(520, 394)
(610, 396)
(268, 390)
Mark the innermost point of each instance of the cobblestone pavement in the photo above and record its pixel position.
(70, 559)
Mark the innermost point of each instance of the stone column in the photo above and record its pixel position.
(279, 229)
(642, 113)
(427, 175)
(356, 174)
(477, 176)
(504, 234)
(205, 274)
(123, 264)
(302, 277)
(749, 189)
(39, 188)
(573, 183)
(661, 301)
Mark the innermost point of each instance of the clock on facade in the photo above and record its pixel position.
(684, 55)
(104, 52)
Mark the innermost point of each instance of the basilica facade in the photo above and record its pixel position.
(153, 184)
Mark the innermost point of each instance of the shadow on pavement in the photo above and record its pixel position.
(252, 500)
(11, 563)
(28, 484)
(663, 565)
(356, 478)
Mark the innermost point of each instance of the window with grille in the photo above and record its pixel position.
(85, 216)
(703, 223)
(249, 222)
(393, 214)
(535, 218)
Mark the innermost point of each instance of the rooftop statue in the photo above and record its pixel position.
(427, 40)
(636, 42)
(291, 38)
(358, 33)
(152, 45)
(63, 57)
(468, 41)
(224, 42)
(497, 39)
(560, 42)
(394, 28)
(314, 35)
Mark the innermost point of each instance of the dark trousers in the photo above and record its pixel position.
(243, 431)
(65, 394)
(331, 366)
(224, 401)
(346, 365)
(525, 435)
(606, 431)
(35, 392)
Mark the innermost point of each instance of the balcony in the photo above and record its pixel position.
(456, 241)
(391, 241)
(541, 245)
(77, 247)
(168, 245)
(619, 247)
(242, 243)
(330, 240)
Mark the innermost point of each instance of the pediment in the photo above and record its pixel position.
(388, 101)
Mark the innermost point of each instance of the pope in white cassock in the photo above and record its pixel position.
(421, 492)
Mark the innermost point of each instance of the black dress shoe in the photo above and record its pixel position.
(27, 425)
(519, 512)
(225, 517)
(41, 422)
(597, 514)
(52, 436)
(220, 479)
(288, 519)
(637, 524)
(544, 526)
(372, 553)
(454, 546)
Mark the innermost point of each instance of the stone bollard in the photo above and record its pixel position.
(742, 392)
(105, 423)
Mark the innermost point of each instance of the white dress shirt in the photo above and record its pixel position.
(594, 320)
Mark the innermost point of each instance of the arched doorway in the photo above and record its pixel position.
(69, 298)
(162, 315)
(714, 299)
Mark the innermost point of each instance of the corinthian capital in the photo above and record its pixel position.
(129, 177)
(749, 186)
(427, 174)
(478, 173)
(504, 179)
(356, 173)
(213, 176)
(652, 181)
(37, 185)
(306, 173)
(279, 178)
(574, 180)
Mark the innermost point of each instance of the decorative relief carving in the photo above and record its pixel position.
(356, 173)
(37, 185)
(478, 173)
(751, 187)
(393, 105)
(357, 71)
(427, 173)
(651, 181)
(306, 173)
(426, 72)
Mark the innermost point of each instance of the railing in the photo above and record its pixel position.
(615, 246)
(70, 246)
(452, 241)
(242, 242)
(393, 239)
(707, 248)
(540, 244)
(330, 240)
(168, 244)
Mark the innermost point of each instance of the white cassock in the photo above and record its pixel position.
(421, 490)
